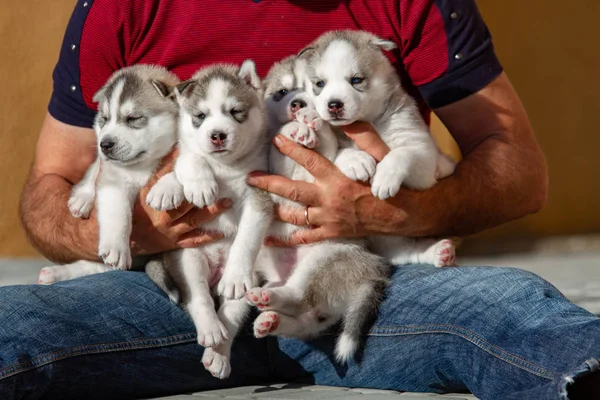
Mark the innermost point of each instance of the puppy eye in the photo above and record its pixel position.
(280, 94)
(357, 80)
(320, 84)
(200, 115)
(136, 121)
(236, 111)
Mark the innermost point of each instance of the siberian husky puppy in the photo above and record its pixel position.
(330, 281)
(222, 138)
(350, 79)
(136, 126)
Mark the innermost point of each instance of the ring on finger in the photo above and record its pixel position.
(306, 216)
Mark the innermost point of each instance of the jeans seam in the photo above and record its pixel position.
(100, 348)
(471, 337)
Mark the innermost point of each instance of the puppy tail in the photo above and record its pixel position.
(361, 310)
(445, 166)
(155, 269)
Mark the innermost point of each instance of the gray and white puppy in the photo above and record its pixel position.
(136, 126)
(350, 79)
(326, 282)
(222, 138)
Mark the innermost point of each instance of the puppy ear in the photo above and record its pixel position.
(161, 88)
(99, 94)
(184, 89)
(305, 52)
(382, 44)
(248, 73)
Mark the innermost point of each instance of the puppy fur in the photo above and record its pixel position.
(350, 79)
(135, 127)
(328, 281)
(222, 138)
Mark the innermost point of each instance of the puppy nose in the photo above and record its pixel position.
(335, 106)
(218, 138)
(106, 145)
(297, 105)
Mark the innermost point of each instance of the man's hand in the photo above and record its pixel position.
(338, 206)
(501, 177)
(156, 231)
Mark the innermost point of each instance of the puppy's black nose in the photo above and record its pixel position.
(335, 106)
(106, 145)
(297, 105)
(218, 138)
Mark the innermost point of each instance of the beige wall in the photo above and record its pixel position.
(549, 50)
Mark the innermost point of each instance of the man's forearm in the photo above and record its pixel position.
(50, 227)
(496, 183)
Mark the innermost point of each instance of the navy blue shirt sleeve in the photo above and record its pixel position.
(66, 103)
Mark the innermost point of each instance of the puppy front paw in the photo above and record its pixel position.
(117, 255)
(387, 179)
(201, 192)
(166, 194)
(310, 118)
(356, 165)
(81, 203)
(234, 286)
(301, 134)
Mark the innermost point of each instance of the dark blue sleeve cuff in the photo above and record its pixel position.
(463, 82)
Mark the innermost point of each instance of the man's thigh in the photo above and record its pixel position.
(493, 331)
(109, 335)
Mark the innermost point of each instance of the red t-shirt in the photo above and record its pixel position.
(444, 54)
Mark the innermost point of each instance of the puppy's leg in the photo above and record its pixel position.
(166, 194)
(254, 222)
(285, 299)
(305, 325)
(115, 206)
(190, 271)
(83, 194)
(216, 360)
(414, 165)
(57, 273)
(197, 178)
(402, 251)
(356, 164)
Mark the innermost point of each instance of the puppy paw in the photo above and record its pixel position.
(266, 323)
(301, 134)
(211, 334)
(387, 179)
(81, 203)
(216, 363)
(259, 298)
(310, 118)
(201, 192)
(356, 165)
(443, 253)
(166, 194)
(48, 276)
(117, 255)
(234, 285)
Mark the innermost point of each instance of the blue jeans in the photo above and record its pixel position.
(498, 332)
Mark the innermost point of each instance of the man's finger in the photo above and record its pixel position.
(197, 216)
(315, 163)
(367, 139)
(300, 237)
(197, 238)
(299, 191)
(297, 215)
